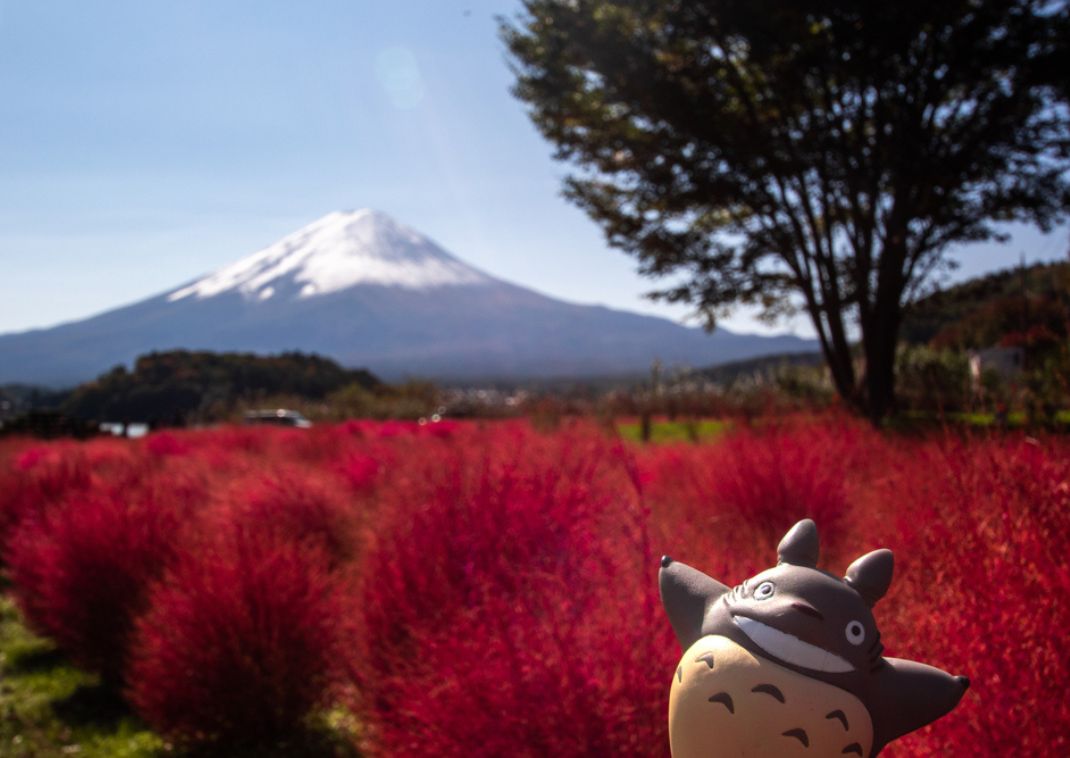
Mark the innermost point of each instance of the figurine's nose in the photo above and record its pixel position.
(808, 609)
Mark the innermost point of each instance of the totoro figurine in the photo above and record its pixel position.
(789, 663)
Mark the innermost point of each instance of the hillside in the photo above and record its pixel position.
(986, 310)
(765, 366)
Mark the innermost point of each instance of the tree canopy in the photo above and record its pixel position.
(179, 385)
(813, 154)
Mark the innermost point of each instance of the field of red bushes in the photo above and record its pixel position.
(490, 589)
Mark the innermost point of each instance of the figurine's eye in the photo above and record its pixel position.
(764, 591)
(855, 632)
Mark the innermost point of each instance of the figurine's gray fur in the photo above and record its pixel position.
(820, 609)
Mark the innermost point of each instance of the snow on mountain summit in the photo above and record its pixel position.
(364, 290)
(338, 251)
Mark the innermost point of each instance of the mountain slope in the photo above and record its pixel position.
(362, 289)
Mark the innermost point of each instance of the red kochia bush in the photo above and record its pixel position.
(239, 642)
(36, 478)
(510, 606)
(778, 476)
(508, 595)
(983, 534)
(305, 508)
(733, 499)
(79, 572)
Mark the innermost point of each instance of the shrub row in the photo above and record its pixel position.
(487, 590)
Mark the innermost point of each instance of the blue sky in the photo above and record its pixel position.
(143, 143)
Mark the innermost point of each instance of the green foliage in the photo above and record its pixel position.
(766, 365)
(934, 381)
(979, 312)
(179, 386)
(796, 377)
(805, 383)
(1027, 308)
(351, 401)
(47, 425)
(51, 709)
(813, 154)
(409, 400)
(22, 397)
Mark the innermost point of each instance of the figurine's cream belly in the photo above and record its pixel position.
(727, 703)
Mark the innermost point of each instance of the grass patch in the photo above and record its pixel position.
(674, 431)
(1014, 419)
(987, 420)
(49, 708)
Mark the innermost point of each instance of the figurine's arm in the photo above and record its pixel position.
(908, 695)
(686, 593)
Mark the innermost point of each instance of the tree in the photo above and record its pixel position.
(165, 387)
(807, 154)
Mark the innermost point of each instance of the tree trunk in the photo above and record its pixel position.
(880, 338)
(839, 364)
(837, 356)
(880, 378)
(880, 319)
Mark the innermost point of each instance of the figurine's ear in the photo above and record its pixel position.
(800, 545)
(871, 575)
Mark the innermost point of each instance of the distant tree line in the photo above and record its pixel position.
(180, 386)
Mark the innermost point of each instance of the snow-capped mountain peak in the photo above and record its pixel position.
(420, 324)
(338, 251)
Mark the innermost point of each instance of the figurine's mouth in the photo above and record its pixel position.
(790, 649)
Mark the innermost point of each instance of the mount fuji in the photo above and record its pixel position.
(367, 291)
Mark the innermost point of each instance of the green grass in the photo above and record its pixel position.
(985, 420)
(1015, 419)
(674, 431)
(49, 708)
